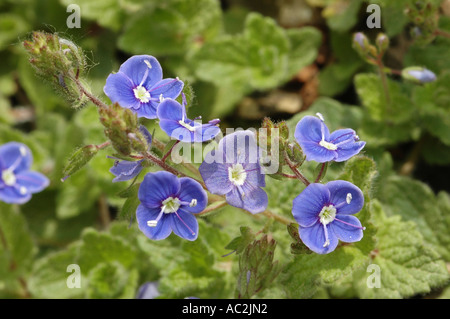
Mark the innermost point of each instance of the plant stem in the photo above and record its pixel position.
(442, 33)
(90, 96)
(294, 169)
(383, 77)
(169, 151)
(322, 168)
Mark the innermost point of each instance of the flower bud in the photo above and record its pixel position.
(382, 42)
(79, 159)
(418, 75)
(58, 61)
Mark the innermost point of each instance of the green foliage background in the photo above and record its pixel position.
(234, 54)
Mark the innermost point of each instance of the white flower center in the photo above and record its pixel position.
(186, 125)
(142, 94)
(237, 174)
(8, 177)
(328, 145)
(171, 205)
(327, 214)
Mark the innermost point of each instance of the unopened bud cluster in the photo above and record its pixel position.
(122, 128)
(58, 61)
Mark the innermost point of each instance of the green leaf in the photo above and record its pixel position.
(433, 102)
(408, 265)
(106, 12)
(102, 247)
(17, 249)
(111, 280)
(175, 27)
(239, 243)
(304, 42)
(263, 56)
(394, 108)
(307, 272)
(50, 275)
(13, 26)
(413, 200)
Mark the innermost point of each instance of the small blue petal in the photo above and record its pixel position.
(189, 190)
(119, 89)
(169, 88)
(136, 68)
(12, 195)
(156, 187)
(170, 109)
(345, 232)
(314, 238)
(310, 129)
(252, 199)
(339, 191)
(147, 110)
(161, 231)
(33, 182)
(307, 206)
(184, 224)
(215, 176)
(125, 170)
(15, 156)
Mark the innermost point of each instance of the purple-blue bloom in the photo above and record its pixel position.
(173, 120)
(233, 170)
(319, 145)
(17, 182)
(324, 214)
(168, 204)
(126, 170)
(139, 85)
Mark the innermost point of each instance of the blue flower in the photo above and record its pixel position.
(319, 145)
(168, 204)
(323, 213)
(139, 86)
(233, 170)
(17, 182)
(173, 121)
(126, 170)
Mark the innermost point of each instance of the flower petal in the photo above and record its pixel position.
(15, 156)
(189, 190)
(125, 170)
(169, 88)
(349, 150)
(136, 67)
(309, 129)
(184, 224)
(32, 181)
(240, 147)
(315, 152)
(307, 206)
(170, 109)
(339, 191)
(119, 89)
(147, 110)
(252, 199)
(175, 131)
(11, 195)
(314, 238)
(157, 187)
(161, 230)
(215, 176)
(254, 174)
(344, 232)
